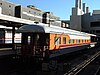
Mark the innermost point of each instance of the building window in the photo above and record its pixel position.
(39, 20)
(29, 11)
(34, 19)
(97, 31)
(9, 5)
(0, 3)
(39, 14)
(95, 24)
(34, 12)
(64, 40)
(57, 40)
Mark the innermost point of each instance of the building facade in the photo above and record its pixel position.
(75, 18)
(79, 20)
(49, 18)
(82, 20)
(7, 8)
(95, 22)
(30, 13)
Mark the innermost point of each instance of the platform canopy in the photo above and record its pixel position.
(11, 21)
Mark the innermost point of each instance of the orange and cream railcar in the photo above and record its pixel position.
(40, 40)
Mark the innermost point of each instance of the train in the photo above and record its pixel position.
(52, 41)
(6, 35)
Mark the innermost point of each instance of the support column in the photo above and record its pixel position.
(13, 35)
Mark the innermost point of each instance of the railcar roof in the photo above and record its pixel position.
(51, 29)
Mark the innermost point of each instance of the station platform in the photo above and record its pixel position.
(6, 51)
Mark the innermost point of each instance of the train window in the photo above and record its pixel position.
(64, 40)
(82, 41)
(29, 39)
(57, 40)
(68, 41)
(73, 41)
(78, 41)
(85, 41)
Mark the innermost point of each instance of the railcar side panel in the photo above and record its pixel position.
(57, 39)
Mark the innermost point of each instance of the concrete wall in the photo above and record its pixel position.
(76, 17)
(7, 8)
(75, 22)
(29, 13)
(96, 17)
(49, 18)
(96, 28)
(96, 12)
(86, 19)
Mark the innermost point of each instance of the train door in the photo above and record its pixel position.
(34, 44)
(27, 41)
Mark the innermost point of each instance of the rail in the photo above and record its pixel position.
(97, 71)
(81, 66)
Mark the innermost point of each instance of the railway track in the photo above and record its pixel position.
(98, 71)
(18, 67)
(79, 68)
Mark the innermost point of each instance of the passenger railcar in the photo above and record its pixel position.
(44, 41)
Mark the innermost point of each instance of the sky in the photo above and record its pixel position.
(60, 8)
